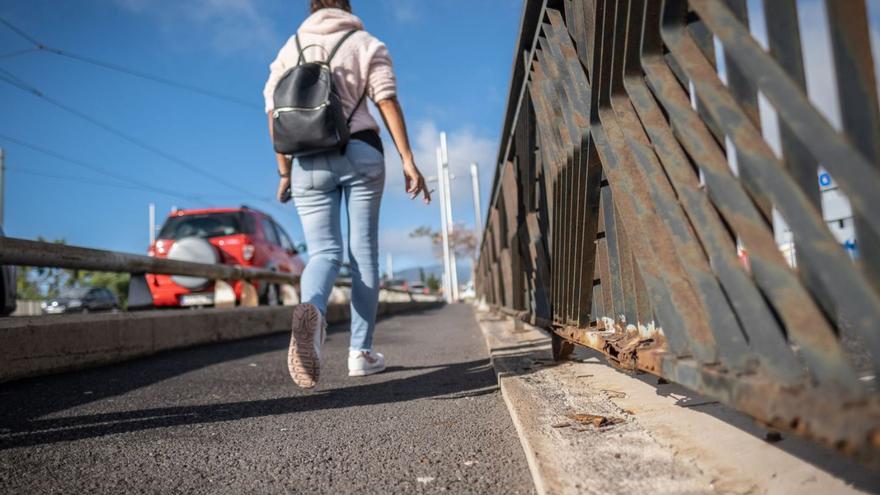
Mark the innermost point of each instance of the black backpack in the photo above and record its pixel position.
(308, 116)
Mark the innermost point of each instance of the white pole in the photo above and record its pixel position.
(450, 224)
(444, 234)
(389, 265)
(478, 213)
(152, 223)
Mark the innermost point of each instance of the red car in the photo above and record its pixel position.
(236, 236)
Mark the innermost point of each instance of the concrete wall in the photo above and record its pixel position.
(40, 345)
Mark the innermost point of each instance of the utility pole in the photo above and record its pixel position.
(389, 265)
(453, 266)
(478, 214)
(447, 284)
(2, 184)
(152, 223)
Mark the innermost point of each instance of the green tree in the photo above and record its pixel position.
(27, 288)
(35, 283)
(432, 283)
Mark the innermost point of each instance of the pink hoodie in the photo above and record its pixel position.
(361, 62)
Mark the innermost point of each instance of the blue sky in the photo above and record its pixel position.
(452, 59)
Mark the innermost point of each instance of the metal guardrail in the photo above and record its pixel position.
(44, 254)
(617, 222)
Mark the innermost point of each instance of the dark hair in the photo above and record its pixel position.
(330, 4)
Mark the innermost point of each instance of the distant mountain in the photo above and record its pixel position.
(413, 274)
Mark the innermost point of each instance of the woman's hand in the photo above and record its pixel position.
(393, 117)
(415, 183)
(283, 194)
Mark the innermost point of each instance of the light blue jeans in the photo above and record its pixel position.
(320, 185)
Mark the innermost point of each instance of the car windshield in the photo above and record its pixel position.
(75, 293)
(204, 225)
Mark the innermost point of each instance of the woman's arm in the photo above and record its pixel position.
(284, 166)
(394, 121)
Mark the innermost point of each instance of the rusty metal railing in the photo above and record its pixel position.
(636, 198)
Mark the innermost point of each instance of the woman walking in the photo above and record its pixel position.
(322, 184)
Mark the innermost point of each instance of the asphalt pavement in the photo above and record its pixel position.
(227, 418)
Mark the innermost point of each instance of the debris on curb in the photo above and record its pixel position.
(614, 394)
(594, 419)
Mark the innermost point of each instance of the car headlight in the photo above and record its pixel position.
(74, 304)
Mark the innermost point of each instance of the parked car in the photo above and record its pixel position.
(80, 300)
(8, 290)
(236, 236)
(418, 288)
(395, 283)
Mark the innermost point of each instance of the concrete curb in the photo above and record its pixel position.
(661, 438)
(41, 345)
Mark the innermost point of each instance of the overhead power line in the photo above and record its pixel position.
(41, 47)
(101, 170)
(9, 78)
(88, 181)
(30, 39)
(19, 83)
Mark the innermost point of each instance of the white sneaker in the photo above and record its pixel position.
(363, 363)
(309, 330)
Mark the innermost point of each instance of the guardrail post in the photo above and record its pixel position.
(139, 295)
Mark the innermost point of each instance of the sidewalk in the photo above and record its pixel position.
(651, 438)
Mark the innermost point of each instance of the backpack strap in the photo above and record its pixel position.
(355, 109)
(341, 41)
(299, 49)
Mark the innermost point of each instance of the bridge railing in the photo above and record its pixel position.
(639, 198)
(24, 252)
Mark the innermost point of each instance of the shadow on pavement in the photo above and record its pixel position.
(25, 400)
(36, 397)
(449, 381)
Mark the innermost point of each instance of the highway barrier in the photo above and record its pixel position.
(41, 345)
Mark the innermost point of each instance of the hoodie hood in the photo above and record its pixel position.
(329, 21)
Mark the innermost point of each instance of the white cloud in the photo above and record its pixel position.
(403, 10)
(465, 146)
(225, 26)
(407, 251)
